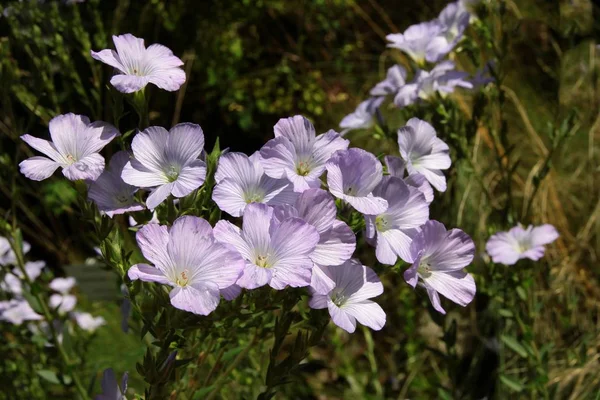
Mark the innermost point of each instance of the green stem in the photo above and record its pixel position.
(48, 317)
(223, 377)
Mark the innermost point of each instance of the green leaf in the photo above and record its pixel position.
(201, 393)
(514, 345)
(505, 313)
(48, 375)
(521, 293)
(443, 394)
(512, 383)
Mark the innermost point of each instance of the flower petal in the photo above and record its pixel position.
(89, 167)
(198, 300)
(147, 273)
(38, 168)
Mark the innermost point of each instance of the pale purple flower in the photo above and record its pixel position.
(441, 80)
(519, 243)
(348, 301)
(189, 258)
(138, 65)
(336, 240)
(75, 147)
(482, 76)
(166, 161)
(110, 193)
(13, 282)
(438, 258)
(396, 167)
(352, 175)
(421, 42)
(87, 321)
(16, 311)
(62, 285)
(110, 388)
(241, 180)
(277, 253)
(231, 292)
(394, 80)
(7, 255)
(63, 303)
(454, 19)
(423, 152)
(362, 117)
(392, 231)
(298, 154)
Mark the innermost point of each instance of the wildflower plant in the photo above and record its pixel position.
(230, 251)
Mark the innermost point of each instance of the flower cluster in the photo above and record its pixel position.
(295, 198)
(17, 309)
(426, 43)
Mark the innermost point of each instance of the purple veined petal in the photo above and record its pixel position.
(231, 292)
(367, 313)
(407, 95)
(94, 138)
(43, 146)
(318, 301)
(195, 299)
(89, 167)
(362, 117)
(420, 182)
(435, 177)
(169, 79)
(370, 287)
(341, 318)
(322, 284)
(503, 248)
(184, 144)
(416, 39)
(65, 130)
(238, 167)
(317, 207)
(327, 144)
(394, 80)
(147, 273)
(298, 130)
(229, 196)
(335, 245)
(457, 286)
(384, 251)
(277, 155)
(190, 178)
(149, 147)
(38, 168)
(410, 275)
(278, 191)
(136, 174)
(129, 83)
(369, 204)
(159, 195)
(395, 166)
(544, 234)
(256, 225)
(254, 276)
(305, 182)
(444, 250)
(399, 242)
(163, 57)
(434, 297)
(152, 240)
(437, 48)
(131, 50)
(292, 242)
(227, 233)
(108, 57)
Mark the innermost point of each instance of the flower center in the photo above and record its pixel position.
(172, 173)
(424, 268)
(302, 168)
(338, 298)
(381, 223)
(122, 199)
(182, 278)
(350, 191)
(254, 195)
(70, 159)
(262, 261)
